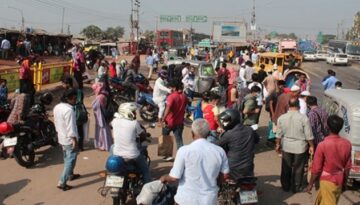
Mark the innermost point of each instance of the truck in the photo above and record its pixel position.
(287, 46)
(351, 48)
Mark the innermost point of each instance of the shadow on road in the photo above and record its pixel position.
(9, 189)
(98, 179)
(48, 157)
(268, 197)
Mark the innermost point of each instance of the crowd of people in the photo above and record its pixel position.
(224, 128)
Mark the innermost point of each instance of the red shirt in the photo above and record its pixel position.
(332, 157)
(112, 71)
(176, 102)
(209, 116)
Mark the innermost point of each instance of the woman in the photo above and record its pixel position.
(103, 139)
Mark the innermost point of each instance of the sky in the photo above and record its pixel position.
(304, 17)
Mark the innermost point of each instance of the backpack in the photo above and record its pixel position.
(80, 110)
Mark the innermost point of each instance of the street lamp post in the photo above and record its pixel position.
(22, 17)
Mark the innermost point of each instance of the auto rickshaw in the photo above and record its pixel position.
(269, 59)
(205, 74)
(343, 103)
(291, 76)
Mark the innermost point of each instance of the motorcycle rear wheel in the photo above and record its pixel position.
(24, 157)
(146, 116)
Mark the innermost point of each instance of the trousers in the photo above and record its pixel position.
(292, 171)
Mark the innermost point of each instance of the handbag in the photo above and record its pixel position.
(165, 146)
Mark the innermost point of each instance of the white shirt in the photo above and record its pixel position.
(188, 82)
(160, 91)
(303, 106)
(259, 99)
(125, 133)
(65, 123)
(5, 44)
(197, 167)
(242, 75)
(184, 71)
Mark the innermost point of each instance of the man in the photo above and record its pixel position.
(318, 118)
(332, 163)
(329, 83)
(5, 47)
(126, 132)
(150, 62)
(303, 83)
(338, 85)
(197, 168)
(160, 93)
(238, 141)
(302, 99)
(223, 76)
(249, 71)
(65, 124)
(174, 113)
(294, 134)
(251, 109)
(262, 73)
(282, 105)
(272, 99)
(129, 80)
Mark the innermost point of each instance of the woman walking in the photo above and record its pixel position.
(103, 139)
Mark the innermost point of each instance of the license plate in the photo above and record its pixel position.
(247, 197)
(114, 181)
(8, 142)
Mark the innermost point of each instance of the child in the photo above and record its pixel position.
(3, 92)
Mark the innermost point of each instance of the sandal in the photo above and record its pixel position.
(64, 187)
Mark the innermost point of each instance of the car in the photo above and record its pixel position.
(309, 56)
(337, 59)
(321, 55)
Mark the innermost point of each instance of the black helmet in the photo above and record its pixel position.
(46, 98)
(229, 119)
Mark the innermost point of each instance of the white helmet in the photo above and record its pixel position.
(123, 63)
(127, 111)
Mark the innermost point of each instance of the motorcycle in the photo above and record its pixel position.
(123, 93)
(148, 110)
(127, 182)
(239, 192)
(20, 140)
(91, 57)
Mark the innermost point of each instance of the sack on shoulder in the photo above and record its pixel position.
(166, 196)
(165, 146)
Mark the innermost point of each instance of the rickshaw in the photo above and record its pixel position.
(291, 76)
(344, 103)
(205, 74)
(269, 59)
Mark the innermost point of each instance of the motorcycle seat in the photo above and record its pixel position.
(246, 180)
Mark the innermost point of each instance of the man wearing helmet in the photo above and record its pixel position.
(238, 141)
(160, 93)
(126, 132)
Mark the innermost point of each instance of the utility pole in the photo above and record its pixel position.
(22, 17)
(134, 21)
(253, 21)
(68, 29)
(62, 20)
(137, 22)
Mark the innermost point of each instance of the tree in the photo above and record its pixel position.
(92, 32)
(149, 35)
(113, 33)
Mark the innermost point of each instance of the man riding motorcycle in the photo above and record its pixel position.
(238, 141)
(129, 80)
(126, 131)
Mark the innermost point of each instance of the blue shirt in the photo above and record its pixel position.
(329, 83)
(149, 60)
(197, 167)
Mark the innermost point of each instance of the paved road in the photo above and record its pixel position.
(37, 185)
